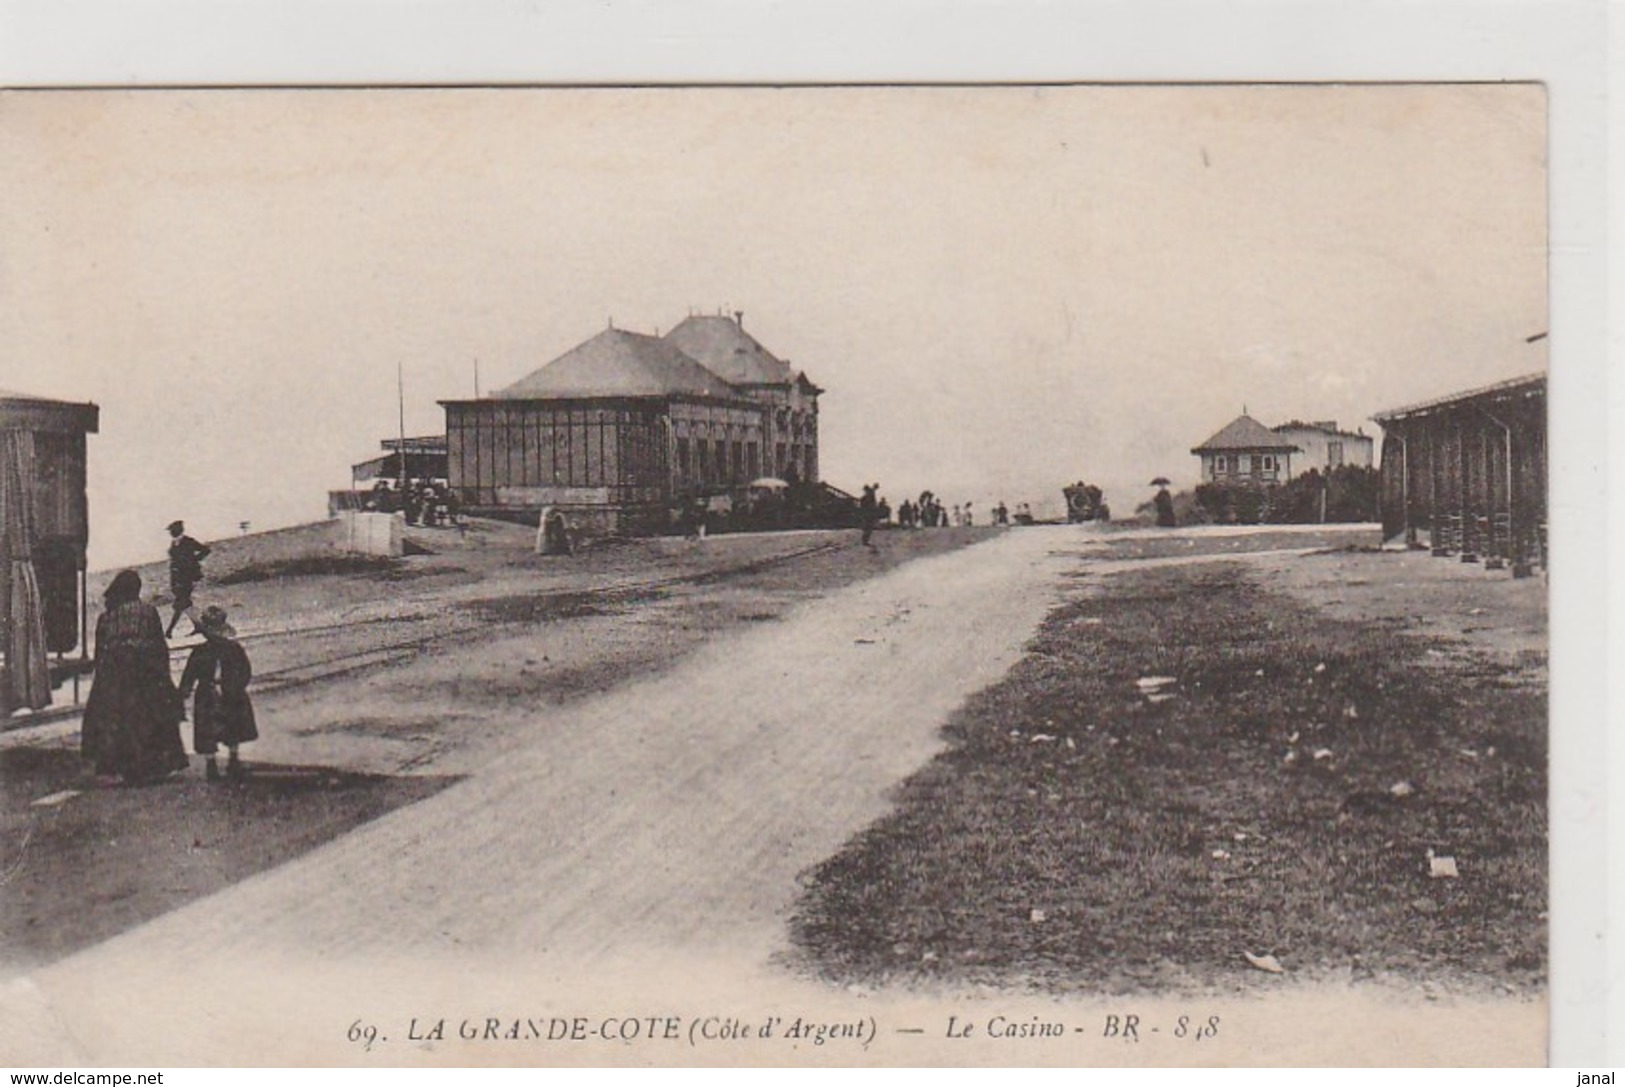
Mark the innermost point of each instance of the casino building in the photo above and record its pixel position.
(614, 431)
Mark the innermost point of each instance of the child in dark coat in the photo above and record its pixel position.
(218, 671)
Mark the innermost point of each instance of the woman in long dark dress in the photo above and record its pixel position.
(131, 726)
(1165, 509)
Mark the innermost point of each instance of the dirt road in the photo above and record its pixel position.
(668, 819)
(634, 858)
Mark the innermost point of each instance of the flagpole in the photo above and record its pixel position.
(400, 394)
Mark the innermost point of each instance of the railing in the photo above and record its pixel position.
(1257, 475)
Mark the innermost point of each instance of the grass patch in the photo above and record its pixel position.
(554, 607)
(309, 566)
(1159, 840)
(1107, 546)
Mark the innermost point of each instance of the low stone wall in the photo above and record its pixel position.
(588, 521)
(371, 533)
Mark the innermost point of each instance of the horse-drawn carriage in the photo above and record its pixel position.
(1085, 502)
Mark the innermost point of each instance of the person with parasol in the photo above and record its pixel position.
(1164, 503)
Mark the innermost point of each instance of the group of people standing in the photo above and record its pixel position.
(926, 512)
(131, 729)
(427, 502)
(929, 512)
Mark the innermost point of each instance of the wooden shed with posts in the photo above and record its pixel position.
(1468, 472)
(620, 429)
(44, 534)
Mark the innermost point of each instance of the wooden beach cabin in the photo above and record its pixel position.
(44, 533)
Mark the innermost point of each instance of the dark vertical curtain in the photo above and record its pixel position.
(28, 682)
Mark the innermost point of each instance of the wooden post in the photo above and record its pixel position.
(1405, 490)
(1469, 545)
(1521, 533)
(1436, 528)
(84, 629)
(400, 397)
(1513, 539)
(1496, 544)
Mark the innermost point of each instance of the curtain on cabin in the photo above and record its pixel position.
(28, 682)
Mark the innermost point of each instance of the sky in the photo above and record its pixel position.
(1001, 290)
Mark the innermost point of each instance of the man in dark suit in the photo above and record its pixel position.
(868, 512)
(186, 557)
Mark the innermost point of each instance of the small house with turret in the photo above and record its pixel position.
(1246, 451)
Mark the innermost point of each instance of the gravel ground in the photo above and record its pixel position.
(635, 851)
(486, 658)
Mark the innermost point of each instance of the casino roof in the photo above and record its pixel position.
(619, 363)
(722, 345)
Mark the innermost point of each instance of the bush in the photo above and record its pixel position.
(1226, 503)
(1352, 494)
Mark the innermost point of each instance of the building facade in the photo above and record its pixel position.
(617, 430)
(1323, 446)
(1468, 472)
(790, 425)
(1246, 451)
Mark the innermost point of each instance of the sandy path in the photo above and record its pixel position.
(667, 820)
(636, 857)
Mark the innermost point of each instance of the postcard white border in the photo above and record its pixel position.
(46, 43)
